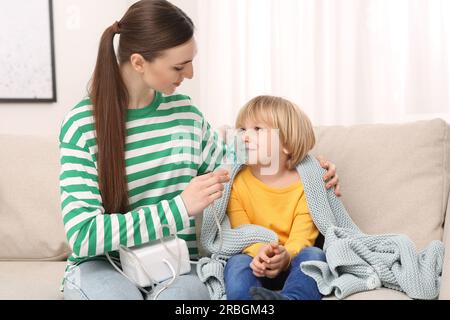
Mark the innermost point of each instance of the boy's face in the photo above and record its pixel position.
(262, 143)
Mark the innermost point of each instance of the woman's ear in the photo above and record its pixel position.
(137, 62)
(286, 152)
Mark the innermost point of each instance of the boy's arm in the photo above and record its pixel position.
(238, 217)
(303, 232)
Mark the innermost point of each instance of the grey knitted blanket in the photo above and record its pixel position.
(234, 241)
(355, 261)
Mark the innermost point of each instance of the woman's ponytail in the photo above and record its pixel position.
(110, 99)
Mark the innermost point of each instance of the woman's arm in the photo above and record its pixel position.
(89, 229)
(213, 149)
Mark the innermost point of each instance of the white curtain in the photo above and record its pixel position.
(342, 61)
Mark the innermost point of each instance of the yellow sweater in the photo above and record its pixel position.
(283, 211)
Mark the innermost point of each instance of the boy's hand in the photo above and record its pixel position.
(277, 263)
(259, 262)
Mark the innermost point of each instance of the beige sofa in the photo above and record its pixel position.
(395, 179)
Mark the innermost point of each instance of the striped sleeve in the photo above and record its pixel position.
(213, 149)
(91, 231)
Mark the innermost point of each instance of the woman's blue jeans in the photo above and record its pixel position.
(97, 280)
(293, 283)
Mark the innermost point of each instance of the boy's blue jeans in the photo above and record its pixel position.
(293, 283)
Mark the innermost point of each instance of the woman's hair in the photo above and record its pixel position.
(295, 128)
(148, 28)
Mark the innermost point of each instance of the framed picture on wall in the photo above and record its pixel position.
(27, 51)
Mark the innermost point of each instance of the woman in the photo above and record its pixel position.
(136, 156)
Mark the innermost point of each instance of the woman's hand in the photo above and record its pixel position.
(202, 191)
(331, 178)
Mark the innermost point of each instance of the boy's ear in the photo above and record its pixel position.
(286, 151)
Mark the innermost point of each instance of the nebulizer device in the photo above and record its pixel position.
(149, 265)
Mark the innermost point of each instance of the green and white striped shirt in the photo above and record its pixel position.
(167, 144)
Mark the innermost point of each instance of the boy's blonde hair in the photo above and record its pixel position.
(296, 130)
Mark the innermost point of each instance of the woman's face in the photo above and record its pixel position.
(167, 72)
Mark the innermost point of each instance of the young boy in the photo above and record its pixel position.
(268, 192)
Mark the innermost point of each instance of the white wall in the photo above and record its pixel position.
(191, 87)
(78, 25)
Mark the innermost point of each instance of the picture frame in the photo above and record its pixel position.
(27, 52)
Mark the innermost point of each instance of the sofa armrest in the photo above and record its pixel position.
(445, 282)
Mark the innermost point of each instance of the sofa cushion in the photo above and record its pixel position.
(30, 217)
(394, 178)
(31, 280)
